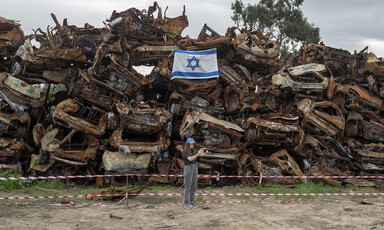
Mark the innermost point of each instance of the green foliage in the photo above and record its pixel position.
(309, 187)
(159, 187)
(280, 19)
(237, 8)
(49, 184)
(26, 185)
(9, 185)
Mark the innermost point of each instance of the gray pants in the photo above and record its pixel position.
(190, 183)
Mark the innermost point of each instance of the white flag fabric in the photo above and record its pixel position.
(195, 64)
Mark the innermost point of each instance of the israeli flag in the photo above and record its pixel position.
(195, 64)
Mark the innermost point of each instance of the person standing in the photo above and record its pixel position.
(190, 156)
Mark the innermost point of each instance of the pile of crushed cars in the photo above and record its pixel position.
(76, 105)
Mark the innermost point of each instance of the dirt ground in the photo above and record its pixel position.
(168, 213)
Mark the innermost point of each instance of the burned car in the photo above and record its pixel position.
(321, 117)
(274, 131)
(210, 131)
(278, 164)
(10, 150)
(253, 47)
(338, 60)
(11, 37)
(13, 124)
(306, 81)
(76, 115)
(22, 94)
(141, 118)
(369, 157)
(80, 148)
(352, 96)
(179, 104)
(365, 127)
(130, 144)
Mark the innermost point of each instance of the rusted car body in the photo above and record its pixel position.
(80, 117)
(12, 124)
(22, 93)
(367, 63)
(10, 150)
(11, 37)
(338, 60)
(254, 47)
(353, 96)
(209, 130)
(118, 75)
(179, 104)
(207, 39)
(82, 151)
(136, 24)
(240, 97)
(321, 117)
(369, 157)
(365, 127)
(118, 141)
(275, 131)
(308, 81)
(141, 118)
(370, 69)
(278, 164)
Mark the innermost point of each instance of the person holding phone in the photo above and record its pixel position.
(190, 156)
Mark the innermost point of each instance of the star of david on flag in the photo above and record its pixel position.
(195, 64)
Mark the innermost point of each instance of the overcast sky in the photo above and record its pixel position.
(347, 24)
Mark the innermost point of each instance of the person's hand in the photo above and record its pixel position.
(203, 152)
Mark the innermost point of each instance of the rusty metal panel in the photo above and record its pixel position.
(120, 161)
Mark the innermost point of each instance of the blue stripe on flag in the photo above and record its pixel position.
(205, 52)
(194, 75)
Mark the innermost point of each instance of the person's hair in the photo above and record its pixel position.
(187, 146)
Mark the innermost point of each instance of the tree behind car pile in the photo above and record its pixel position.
(280, 19)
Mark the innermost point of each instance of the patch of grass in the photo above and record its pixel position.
(357, 189)
(81, 190)
(139, 184)
(49, 184)
(160, 187)
(309, 187)
(27, 185)
(9, 185)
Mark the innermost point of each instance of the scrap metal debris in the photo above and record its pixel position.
(77, 104)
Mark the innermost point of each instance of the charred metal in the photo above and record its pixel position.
(78, 103)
